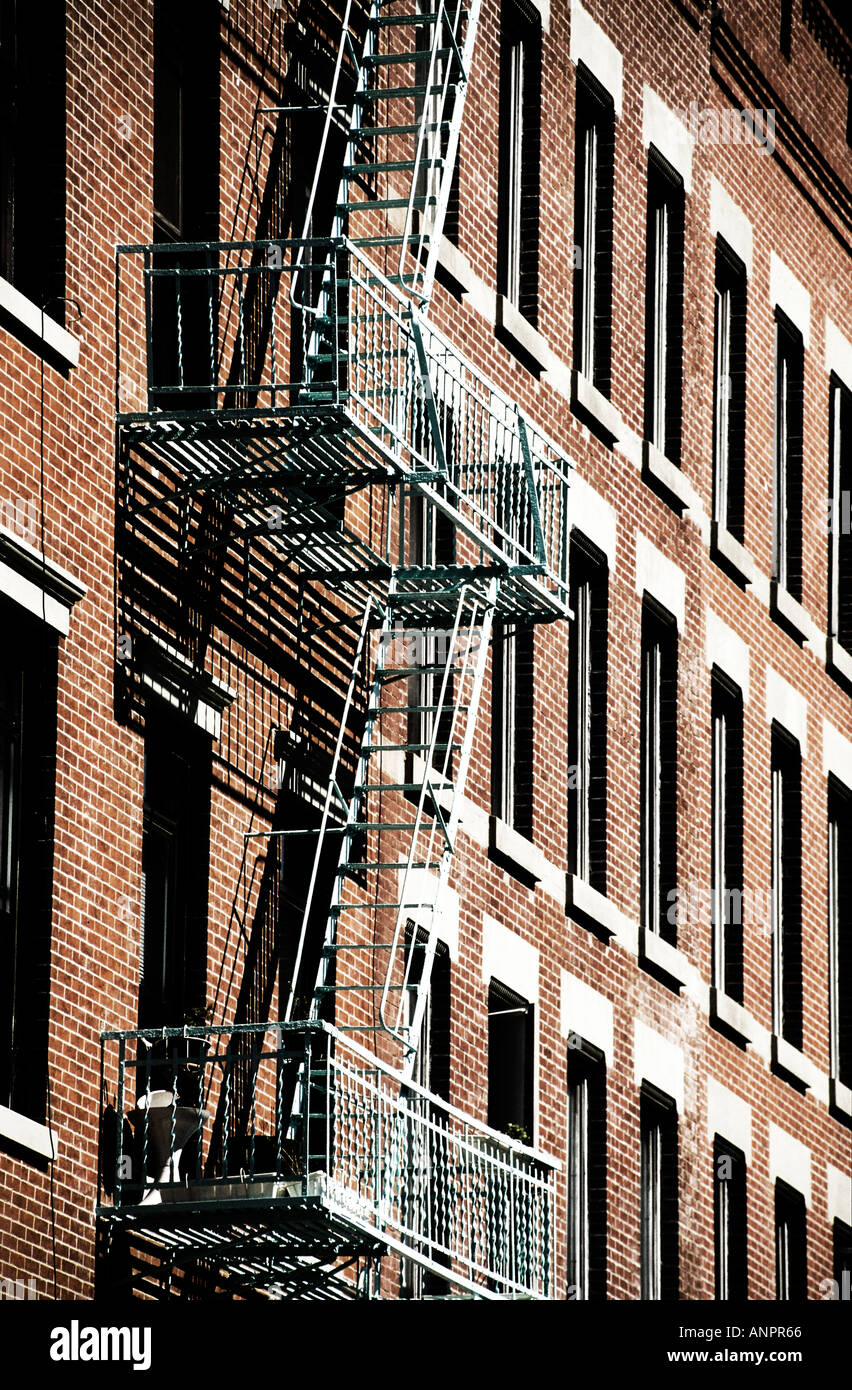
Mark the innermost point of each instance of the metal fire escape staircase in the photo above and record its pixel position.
(321, 381)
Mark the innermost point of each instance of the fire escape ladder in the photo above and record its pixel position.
(403, 815)
(403, 133)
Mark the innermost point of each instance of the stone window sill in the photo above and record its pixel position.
(789, 612)
(593, 408)
(663, 959)
(666, 477)
(732, 556)
(590, 907)
(514, 852)
(841, 1098)
(791, 1061)
(838, 660)
(518, 334)
(50, 335)
(732, 1016)
(27, 1134)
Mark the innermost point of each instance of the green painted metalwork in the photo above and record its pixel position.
(347, 1158)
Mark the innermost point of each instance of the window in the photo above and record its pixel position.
(512, 727)
(593, 218)
(436, 131)
(840, 930)
(511, 1066)
(727, 847)
(664, 309)
(786, 842)
(840, 517)
(729, 393)
(27, 788)
(789, 388)
(186, 122)
(32, 150)
(842, 1243)
(427, 1214)
(587, 1197)
(658, 1196)
(186, 204)
(785, 30)
(659, 771)
(520, 135)
(729, 1178)
(791, 1266)
(587, 739)
(175, 857)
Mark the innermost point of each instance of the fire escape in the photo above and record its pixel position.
(293, 397)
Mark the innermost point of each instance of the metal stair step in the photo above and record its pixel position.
(396, 93)
(358, 865)
(419, 55)
(369, 132)
(420, 709)
(413, 747)
(397, 787)
(422, 200)
(355, 989)
(369, 907)
(385, 167)
(387, 21)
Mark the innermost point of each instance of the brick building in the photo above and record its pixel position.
(426, 572)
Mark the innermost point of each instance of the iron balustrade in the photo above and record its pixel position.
(226, 335)
(206, 1118)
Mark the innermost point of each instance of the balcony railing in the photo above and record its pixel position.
(246, 330)
(275, 1115)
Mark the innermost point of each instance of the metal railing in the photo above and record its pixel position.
(221, 336)
(284, 1113)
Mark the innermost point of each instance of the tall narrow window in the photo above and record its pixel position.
(27, 788)
(520, 137)
(587, 740)
(593, 217)
(664, 309)
(842, 1251)
(729, 393)
(512, 727)
(587, 1196)
(729, 1179)
(186, 205)
(659, 771)
(791, 1264)
(175, 859)
(511, 1063)
(840, 930)
(427, 1215)
(786, 887)
(840, 517)
(789, 388)
(32, 150)
(727, 811)
(658, 1197)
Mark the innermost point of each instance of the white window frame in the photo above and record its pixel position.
(516, 65)
(721, 434)
(652, 778)
(777, 883)
(583, 727)
(588, 251)
(659, 354)
(651, 1179)
(578, 1186)
(834, 850)
(719, 842)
